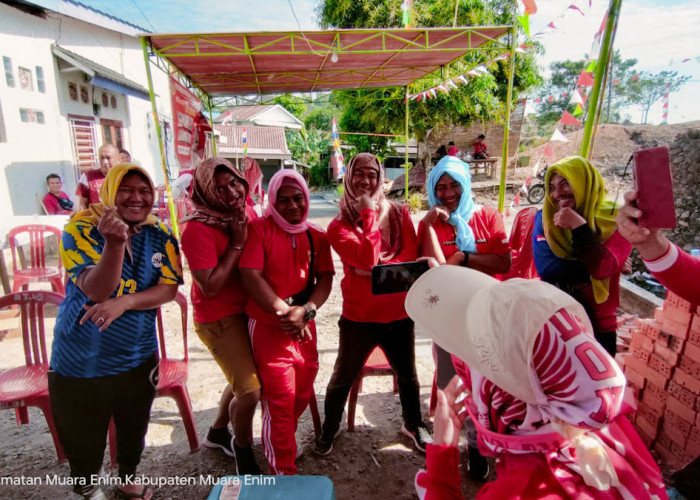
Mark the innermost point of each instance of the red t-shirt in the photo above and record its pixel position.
(52, 206)
(286, 269)
(480, 147)
(359, 251)
(489, 233)
(203, 247)
(89, 185)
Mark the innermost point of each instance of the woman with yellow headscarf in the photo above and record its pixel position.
(576, 245)
(122, 266)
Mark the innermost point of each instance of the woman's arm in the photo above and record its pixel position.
(428, 239)
(601, 260)
(357, 250)
(104, 313)
(212, 280)
(261, 292)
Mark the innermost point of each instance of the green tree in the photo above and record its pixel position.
(383, 110)
(295, 105)
(648, 88)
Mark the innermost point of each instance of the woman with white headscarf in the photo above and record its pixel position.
(547, 399)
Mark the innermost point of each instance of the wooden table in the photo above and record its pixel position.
(487, 166)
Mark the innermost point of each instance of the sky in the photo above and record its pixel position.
(658, 33)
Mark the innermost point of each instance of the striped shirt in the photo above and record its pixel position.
(82, 350)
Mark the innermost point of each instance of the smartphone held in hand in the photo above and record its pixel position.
(654, 186)
(396, 278)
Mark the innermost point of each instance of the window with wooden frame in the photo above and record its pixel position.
(112, 133)
(83, 142)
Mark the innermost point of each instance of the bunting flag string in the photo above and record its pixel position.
(482, 69)
(245, 141)
(664, 118)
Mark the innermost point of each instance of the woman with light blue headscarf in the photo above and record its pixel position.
(457, 231)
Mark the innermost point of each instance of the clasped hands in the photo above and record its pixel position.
(293, 322)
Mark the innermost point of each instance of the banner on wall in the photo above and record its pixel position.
(190, 126)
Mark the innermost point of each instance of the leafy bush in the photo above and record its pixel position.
(415, 202)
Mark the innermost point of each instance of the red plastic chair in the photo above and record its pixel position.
(376, 364)
(28, 385)
(24, 273)
(523, 263)
(172, 381)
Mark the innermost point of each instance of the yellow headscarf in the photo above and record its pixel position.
(588, 189)
(108, 193)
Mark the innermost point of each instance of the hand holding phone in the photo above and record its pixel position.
(654, 186)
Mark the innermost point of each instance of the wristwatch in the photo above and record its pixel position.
(310, 311)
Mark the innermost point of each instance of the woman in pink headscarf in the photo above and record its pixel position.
(254, 177)
(287, 269)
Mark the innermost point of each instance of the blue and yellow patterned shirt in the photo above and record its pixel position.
(82, 350)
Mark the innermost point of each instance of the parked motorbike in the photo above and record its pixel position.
(534, 188)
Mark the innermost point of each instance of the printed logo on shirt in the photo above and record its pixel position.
(481, 240)
(157, 259)
(449, 243)
(540, 237)
(504, 240)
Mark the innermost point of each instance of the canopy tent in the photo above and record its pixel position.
(219, 65)
(270, 62)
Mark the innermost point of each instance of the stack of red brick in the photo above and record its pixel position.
(663, 370)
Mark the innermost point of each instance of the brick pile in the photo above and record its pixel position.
(663, 370)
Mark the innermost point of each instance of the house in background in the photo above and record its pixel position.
(266, 142)
(72, 79)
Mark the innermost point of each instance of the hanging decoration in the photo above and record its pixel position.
(244, 136)
(568, 119)
(338, 162)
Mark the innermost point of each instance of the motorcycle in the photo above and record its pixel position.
(534, 192)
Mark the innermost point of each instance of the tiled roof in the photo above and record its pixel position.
(244, 113)
(261, 140)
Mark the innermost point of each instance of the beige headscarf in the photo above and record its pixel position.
(389, 213)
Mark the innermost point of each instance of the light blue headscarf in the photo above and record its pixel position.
(460, 218)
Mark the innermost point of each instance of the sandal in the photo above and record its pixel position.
(145, 494)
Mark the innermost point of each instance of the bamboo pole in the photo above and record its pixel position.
(405, 166)
(506, 131)
(600, 71)
(171, 205)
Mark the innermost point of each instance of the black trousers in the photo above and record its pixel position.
(83, 407)
(357, 341)
(608, 340)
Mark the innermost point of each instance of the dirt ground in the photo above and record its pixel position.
(375, 461)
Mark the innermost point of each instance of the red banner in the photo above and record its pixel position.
(190, 126)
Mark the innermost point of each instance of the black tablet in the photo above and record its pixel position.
(395, 278)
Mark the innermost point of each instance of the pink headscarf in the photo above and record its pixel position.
(253, 175)
(287, 177)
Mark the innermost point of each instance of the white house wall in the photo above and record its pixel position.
(33, 150)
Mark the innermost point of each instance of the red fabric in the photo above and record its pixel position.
(453, 151)
(287, 370)
(489, 233)
(359, 252)
(480, 147)
(285, 268)
(682, 277)
(89, 185)
(203, 247)
(52, 206)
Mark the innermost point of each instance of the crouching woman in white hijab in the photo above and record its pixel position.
(546, 398)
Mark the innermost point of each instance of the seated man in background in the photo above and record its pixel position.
(90, 182)
(124, 156)
(480, 150)
(56, 202)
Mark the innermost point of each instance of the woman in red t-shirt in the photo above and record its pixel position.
(370, 230)
(213, 241)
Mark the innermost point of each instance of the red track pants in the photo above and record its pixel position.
(287, 370)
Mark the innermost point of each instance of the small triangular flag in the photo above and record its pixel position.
(578, 110)
(585, 79)
(576, 98)
(568, 119)
(590, 67)
(548, 150)
(558, 137)
(530, 6)
(525, 23)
